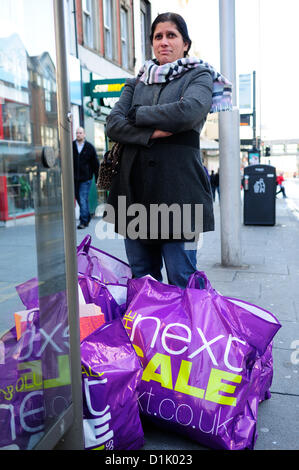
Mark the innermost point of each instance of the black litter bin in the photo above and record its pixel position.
(259, 185)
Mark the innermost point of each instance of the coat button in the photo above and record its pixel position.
(151, 163)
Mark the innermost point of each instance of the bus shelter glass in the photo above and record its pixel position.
(34, 349)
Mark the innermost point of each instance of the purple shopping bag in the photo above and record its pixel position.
(100, 265)
(28, 293)
(34, 373)
(22, 404)
(201, 355)
(111, 298)
(111, 373)
(265, 361)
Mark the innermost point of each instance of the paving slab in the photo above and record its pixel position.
(287, 335)
(248, 289)
(266, 268)
(284, 310)
(286, 374)
(251, 258)
(277, 423)
(215, 275)
(155, 439)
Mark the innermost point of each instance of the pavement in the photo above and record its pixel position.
(269, 278)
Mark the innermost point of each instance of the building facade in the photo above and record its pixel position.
(107, 39)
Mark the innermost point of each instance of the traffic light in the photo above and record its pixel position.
(267, 151)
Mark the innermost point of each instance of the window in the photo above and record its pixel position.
(70, 27)
(143, 38)
(145, 25)
(108, 40)
(49, 136)
(47, 85)
(124, 37)
(16, 121)
(87, 23)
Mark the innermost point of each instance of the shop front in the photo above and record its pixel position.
(100, 95)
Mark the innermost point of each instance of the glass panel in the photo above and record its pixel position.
(34, 350)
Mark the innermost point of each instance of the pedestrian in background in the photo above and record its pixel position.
(86, 165)
(280, 182)
(158, 118)
(214, 180)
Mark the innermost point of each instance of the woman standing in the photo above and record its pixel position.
(158, 118)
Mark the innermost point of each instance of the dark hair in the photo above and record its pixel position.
(180, 23)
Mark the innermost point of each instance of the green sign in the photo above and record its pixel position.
(108, 88)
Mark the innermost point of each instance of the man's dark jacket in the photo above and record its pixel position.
(86, 163)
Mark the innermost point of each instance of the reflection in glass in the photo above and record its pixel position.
(34, 349)
(28, 116)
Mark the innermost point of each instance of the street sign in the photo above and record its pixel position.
(108, 88)
(245, 119)
(253, 157)
(245, 91)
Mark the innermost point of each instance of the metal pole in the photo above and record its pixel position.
(229, 143)
(254, 142)
(73, 439)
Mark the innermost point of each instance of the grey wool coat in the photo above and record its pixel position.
(166, 170)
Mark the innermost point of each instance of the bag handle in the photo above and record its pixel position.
(85, 244)
(199, 280)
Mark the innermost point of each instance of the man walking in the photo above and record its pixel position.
(85, 166)
(280, 182)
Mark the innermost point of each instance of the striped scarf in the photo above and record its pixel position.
(151, 72)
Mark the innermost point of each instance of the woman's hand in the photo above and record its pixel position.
(157, 134)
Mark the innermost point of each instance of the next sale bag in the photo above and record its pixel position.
(34, 370)
(202, 360)
(111, 373)
(200, 281)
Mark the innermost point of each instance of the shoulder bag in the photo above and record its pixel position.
(109, 166)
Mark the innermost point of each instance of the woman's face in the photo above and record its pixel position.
(168, 43)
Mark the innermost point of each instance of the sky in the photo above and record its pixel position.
(267, 42)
